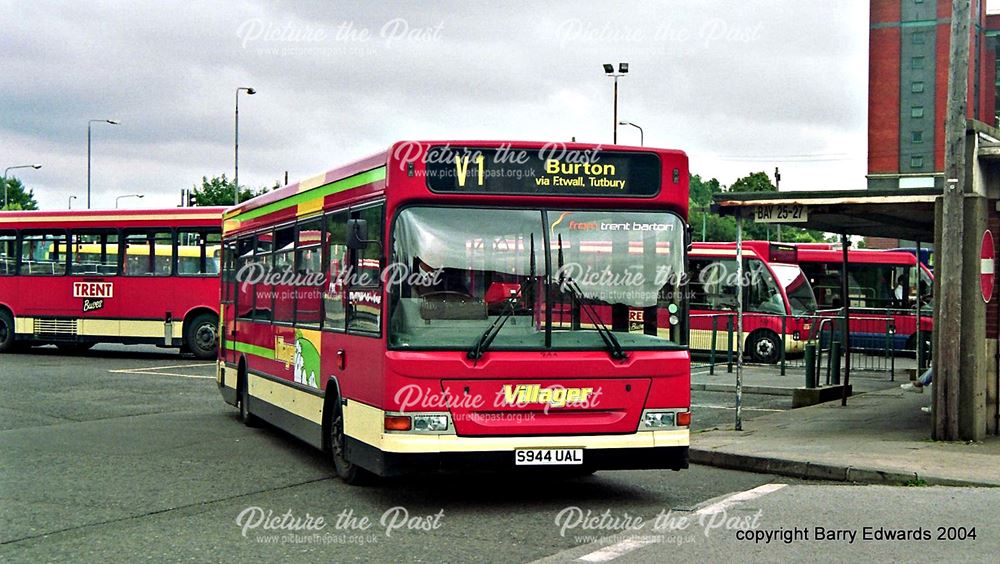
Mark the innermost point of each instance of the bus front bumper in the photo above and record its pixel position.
(388, 464)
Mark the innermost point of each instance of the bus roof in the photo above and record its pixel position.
(81, 219)
(369, 176)
(816, 252)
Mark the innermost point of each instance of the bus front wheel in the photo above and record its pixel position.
(243, 395)
(6, 331)
(764, 347)
(350, 473)
(201, 336)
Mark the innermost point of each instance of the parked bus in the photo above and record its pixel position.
(778, 303)
(77, 278)
(884, 287)
(461, 319)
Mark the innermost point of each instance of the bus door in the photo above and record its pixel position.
(229, 290)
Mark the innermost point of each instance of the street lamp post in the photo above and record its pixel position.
(110, 121)
(236, 147)
(69, 203)
(8, 169)
(641, 141)
(609, 69)
(126, 196)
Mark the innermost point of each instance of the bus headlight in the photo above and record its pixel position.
(430, 423)
(659, 419)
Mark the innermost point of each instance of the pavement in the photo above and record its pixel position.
(881, 436)
(767, 379)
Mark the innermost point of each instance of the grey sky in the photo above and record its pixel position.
(739, 85)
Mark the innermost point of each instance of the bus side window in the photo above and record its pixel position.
(364, 298)
(308, 263)
(148, 253)
(263, 292)
(43, 254)
(94, 253)
(696, 286)
(198, 252)
(243, 290)
(8, 253)
(763, 293)
(284, 261)
(334, 291)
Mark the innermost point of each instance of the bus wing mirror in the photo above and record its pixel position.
(357, 234)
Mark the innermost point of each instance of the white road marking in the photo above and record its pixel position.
(732, 500)
(166, 374)
(609, 553)
(165, 367)
(614, 551)
(156, 371)
(729, 407)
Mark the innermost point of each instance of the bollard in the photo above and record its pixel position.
(784, 331)
(835, 362)
(810, 361)
(711, 354)
(888, 350)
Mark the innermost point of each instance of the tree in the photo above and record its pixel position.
(17, 197)
(753, 182)
(218, 191)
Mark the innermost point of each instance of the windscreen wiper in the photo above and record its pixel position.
(491, 332)
(614, 345)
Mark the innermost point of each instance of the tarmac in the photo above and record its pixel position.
(881, 436)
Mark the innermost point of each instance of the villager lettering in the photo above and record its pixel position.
(534, 393)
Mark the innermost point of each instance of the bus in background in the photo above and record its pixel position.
(78, 278)
(884, 288)
(461, 319)
(778, 302)
(926, 255)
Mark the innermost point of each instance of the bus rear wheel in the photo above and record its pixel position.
(6, 332)
(764, 347)
(201, 336)
(350, 473)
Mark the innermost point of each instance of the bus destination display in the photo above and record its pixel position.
(565, 172)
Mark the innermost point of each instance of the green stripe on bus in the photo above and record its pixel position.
(360, 179)
(251, 349)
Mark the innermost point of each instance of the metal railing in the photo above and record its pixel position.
(813, 343)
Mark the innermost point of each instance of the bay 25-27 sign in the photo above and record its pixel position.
(779, 213)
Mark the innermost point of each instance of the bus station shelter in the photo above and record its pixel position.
(910, 214)
(899, 214)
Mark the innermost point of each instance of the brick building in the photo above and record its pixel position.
(908, 87)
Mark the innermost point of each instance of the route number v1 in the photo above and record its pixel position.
(462, 168)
